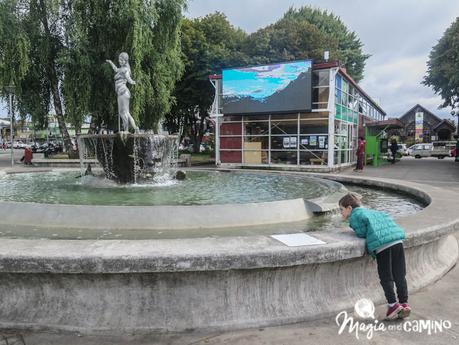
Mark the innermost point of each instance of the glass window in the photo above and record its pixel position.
(313, 127)
(338, 96)
(321, 78)
(339, 81)
(313, 158)
(284, 127)
(257, 143)
(284, 143)
(283, 157)
(345, 86)
(313, 142)
(256, 128)
(320, 95)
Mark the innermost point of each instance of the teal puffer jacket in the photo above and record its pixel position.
(376, 227)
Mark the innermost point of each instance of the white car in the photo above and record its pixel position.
(402, 149)
(18, 144)
(421, 150)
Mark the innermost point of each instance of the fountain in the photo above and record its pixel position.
(127, 157)
(207, 276)
(130, 158)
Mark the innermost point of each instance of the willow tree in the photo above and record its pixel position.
(98, 30)
(31, 40)
(54, 52)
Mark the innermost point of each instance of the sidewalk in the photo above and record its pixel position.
(436, 302)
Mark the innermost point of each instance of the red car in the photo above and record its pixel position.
(453, 152)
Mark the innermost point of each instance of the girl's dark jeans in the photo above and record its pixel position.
(391, 268)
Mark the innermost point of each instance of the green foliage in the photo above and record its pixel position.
(148, 31)
(306, 33)
(14, 45)
(443, 66)
(17, 64)
(72, 50)
(208, 45)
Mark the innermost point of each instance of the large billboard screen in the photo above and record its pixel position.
(283, 87)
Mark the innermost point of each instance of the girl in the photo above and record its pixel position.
(384, 240)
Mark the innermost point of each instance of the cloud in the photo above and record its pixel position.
(398, 34)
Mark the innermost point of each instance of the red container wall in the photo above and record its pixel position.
(231, 156)
(231, 129)
(231, 143)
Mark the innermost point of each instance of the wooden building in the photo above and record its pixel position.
(421, 125)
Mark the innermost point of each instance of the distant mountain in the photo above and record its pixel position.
(295, 96)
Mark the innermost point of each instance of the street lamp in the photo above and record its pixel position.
(10, 90)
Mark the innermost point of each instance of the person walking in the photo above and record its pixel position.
(384, 241)
(393, 149)
(360, 154)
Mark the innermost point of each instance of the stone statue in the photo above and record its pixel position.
(123, 76)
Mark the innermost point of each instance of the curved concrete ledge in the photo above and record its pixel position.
(152, 217)
(212, 283)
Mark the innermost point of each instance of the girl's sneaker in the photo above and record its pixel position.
(405, 312)
(392, 312)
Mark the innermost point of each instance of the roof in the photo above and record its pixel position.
(420, 106)
(447, 122)
(386, 124)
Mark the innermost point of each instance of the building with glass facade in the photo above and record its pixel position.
(324, 138)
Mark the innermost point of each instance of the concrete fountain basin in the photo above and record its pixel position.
(125, 286)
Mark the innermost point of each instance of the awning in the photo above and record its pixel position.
(386, 124)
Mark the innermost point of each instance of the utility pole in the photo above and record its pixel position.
(10, 90)
(216, 81)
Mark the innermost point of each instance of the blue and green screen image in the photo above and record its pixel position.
(282, 87)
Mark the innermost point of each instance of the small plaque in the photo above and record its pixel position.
(296, 240)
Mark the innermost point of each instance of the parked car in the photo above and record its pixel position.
(402, 149)
(19, 144)
(409, 150)
(421, 150)
(442, 149)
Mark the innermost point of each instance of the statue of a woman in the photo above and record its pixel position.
(123, 76)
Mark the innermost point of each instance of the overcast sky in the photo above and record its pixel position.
(399, 34)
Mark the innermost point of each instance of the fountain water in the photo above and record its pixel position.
(128, 158)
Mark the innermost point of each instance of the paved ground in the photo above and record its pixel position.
(436, 302)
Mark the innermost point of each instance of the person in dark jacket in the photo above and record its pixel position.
(384, 240)
(393, 149)
(360, 154)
